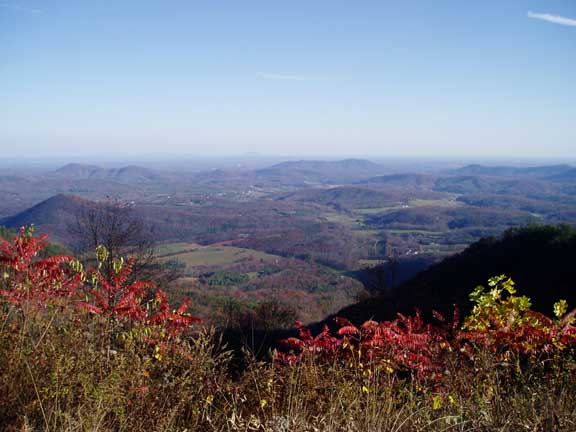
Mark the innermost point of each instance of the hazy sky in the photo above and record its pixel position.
(403, 77)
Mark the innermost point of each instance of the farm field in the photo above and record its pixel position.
(194, 255)
(344, 219)
(415, 231)
(175, 248)
(410, 204)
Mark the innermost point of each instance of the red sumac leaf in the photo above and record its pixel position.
(348, 330)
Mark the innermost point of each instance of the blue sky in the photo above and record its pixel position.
(401, 78)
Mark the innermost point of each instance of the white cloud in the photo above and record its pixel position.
(556, 19)
(282, 77)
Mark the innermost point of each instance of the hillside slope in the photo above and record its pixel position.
(540, 259)
(51, 216)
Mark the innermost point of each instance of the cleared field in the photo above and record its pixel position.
(343, 219)
(377, 210)
(410, 204)
(213, 255)
(415, 231)
(434, 203)
(175, 248)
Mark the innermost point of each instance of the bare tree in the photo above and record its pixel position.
(117, 226)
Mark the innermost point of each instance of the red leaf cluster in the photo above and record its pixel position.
(174, 321)
(408, 344)
(25, 278)
(403, 344)
(547, 337)
(131, 301)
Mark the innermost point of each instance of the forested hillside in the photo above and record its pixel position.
(540, 259)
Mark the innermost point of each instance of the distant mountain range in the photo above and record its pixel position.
(127, 173)
(511, 171)
(467, 184)
(568, 176)
(407, 180)
(322, 165)
(544, 193)
(328, 171)
(355, 197)
(89, 181)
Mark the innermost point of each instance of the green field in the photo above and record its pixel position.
(434, 203)
(343, 219)
(175, 248)
(377, 210)
(195, 256)
(415, 231)
(412, 203)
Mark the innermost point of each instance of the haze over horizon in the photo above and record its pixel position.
(443, 79)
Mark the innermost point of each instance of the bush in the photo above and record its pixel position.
(80, 352)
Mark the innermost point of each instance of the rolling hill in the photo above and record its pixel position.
(348, 197)
(568, 176)
(77, 170)
(493, 185)
(51, 216)
(403, 181)
(512, 171)
(130, 173)
(303, 171)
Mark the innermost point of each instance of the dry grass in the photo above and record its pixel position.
(56, 375)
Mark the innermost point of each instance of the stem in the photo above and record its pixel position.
(37, 394)
(45, 331)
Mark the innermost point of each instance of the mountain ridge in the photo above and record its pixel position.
(128, 173)
(50, 216)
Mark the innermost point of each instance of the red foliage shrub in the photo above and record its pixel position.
(500, 322)
(406, 343)
(27, 279)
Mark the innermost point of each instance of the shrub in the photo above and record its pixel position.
(79, 351)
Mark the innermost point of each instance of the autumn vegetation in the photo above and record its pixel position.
(97, 349)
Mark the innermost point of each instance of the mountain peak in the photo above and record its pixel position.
(50, 212)
(79, 170)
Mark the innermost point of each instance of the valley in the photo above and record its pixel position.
(300, 232)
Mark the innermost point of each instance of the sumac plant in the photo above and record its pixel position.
(28, 279)
(406, 345)
(504, 323)
(500, 322)
(123, 304)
